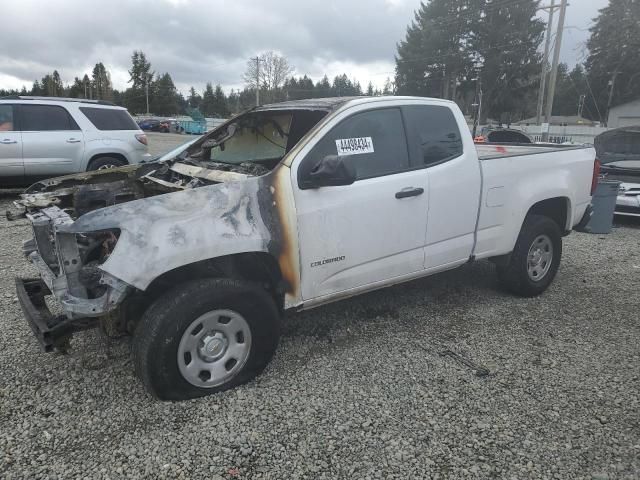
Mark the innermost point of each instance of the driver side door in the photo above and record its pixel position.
(369, 232)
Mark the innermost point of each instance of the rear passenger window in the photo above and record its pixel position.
(433, 134)
(374, 141)
(109, 119)
(39, 118)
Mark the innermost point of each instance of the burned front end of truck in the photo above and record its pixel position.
(107, 243)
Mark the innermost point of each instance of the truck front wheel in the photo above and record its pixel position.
(204, 337)
(534, 262)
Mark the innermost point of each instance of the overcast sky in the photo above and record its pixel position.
(210, 40)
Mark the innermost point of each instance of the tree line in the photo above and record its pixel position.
(274, 81)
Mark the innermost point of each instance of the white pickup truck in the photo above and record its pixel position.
(287, 207)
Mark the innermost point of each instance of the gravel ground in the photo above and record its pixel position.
(445, 377)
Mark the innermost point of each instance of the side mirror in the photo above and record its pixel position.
(332, 170)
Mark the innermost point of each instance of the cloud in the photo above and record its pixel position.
(197, 41)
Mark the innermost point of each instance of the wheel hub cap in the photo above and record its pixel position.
(540, 257)
(214, 348)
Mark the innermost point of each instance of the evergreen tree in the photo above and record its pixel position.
(194, 99)
(389, 88)
(613, 55)
(450, 43)
(50, 86)
(433, 56)
(87, 86)
(37, 89)
(503, 41)
(141, 76)
(101, 83)
(76, 90)
(220, 108)
(233, 102)
(165, 96)
(323, 88)
(343, 87)
(208, 101)
(370, 91)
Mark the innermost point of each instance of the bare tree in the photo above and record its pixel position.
(269, 71)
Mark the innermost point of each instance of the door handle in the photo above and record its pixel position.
(73, 140)
(7, 141)
(409, 192)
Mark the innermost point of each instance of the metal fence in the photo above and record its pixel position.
(566, 134)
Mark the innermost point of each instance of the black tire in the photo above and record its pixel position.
(515, 276)
(157, 336)
(104, 162)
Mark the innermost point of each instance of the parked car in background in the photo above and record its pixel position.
(171, 125)
(287, 207)
(149, 125)
(619, 153)
(502, 135)
(42, 137)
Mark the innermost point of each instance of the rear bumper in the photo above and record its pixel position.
(51, 331)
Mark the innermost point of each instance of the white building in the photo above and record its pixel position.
(624, 115)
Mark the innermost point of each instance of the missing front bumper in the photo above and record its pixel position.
(53, 332)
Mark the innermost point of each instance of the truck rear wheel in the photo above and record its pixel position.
(534, 262)
(204, 337)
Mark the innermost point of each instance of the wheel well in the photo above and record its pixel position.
(556, 209)
(258, 267)
(119, 156)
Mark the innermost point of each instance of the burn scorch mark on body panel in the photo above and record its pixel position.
(177, 236)
(240, 219)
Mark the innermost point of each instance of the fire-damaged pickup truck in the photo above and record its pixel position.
(287, 207)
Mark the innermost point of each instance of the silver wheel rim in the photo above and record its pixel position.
(214, 348)
(540, 258)
(107, 166)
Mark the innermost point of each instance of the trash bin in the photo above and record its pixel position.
(603, 204)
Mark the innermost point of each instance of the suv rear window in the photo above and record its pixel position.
(108, 119)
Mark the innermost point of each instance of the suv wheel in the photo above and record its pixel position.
(535, 259)
(204, 337)
(102, 163)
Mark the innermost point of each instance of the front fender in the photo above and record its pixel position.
(161, 233)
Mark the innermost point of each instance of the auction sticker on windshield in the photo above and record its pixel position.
(354, 146)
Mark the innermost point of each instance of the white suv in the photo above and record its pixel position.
(43, 137)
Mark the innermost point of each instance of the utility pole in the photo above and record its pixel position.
(581, 101)
(257, 81)
(146, 91)
(478, 110)
(545, 61)
(612, 84)
(554, 68)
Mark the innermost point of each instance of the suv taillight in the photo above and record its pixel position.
(142, 138)
(596, 176)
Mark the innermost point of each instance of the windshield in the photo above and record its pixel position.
(256, 138)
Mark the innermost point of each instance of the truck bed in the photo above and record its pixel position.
(488, 151)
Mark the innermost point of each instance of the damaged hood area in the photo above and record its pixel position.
(84, 192)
